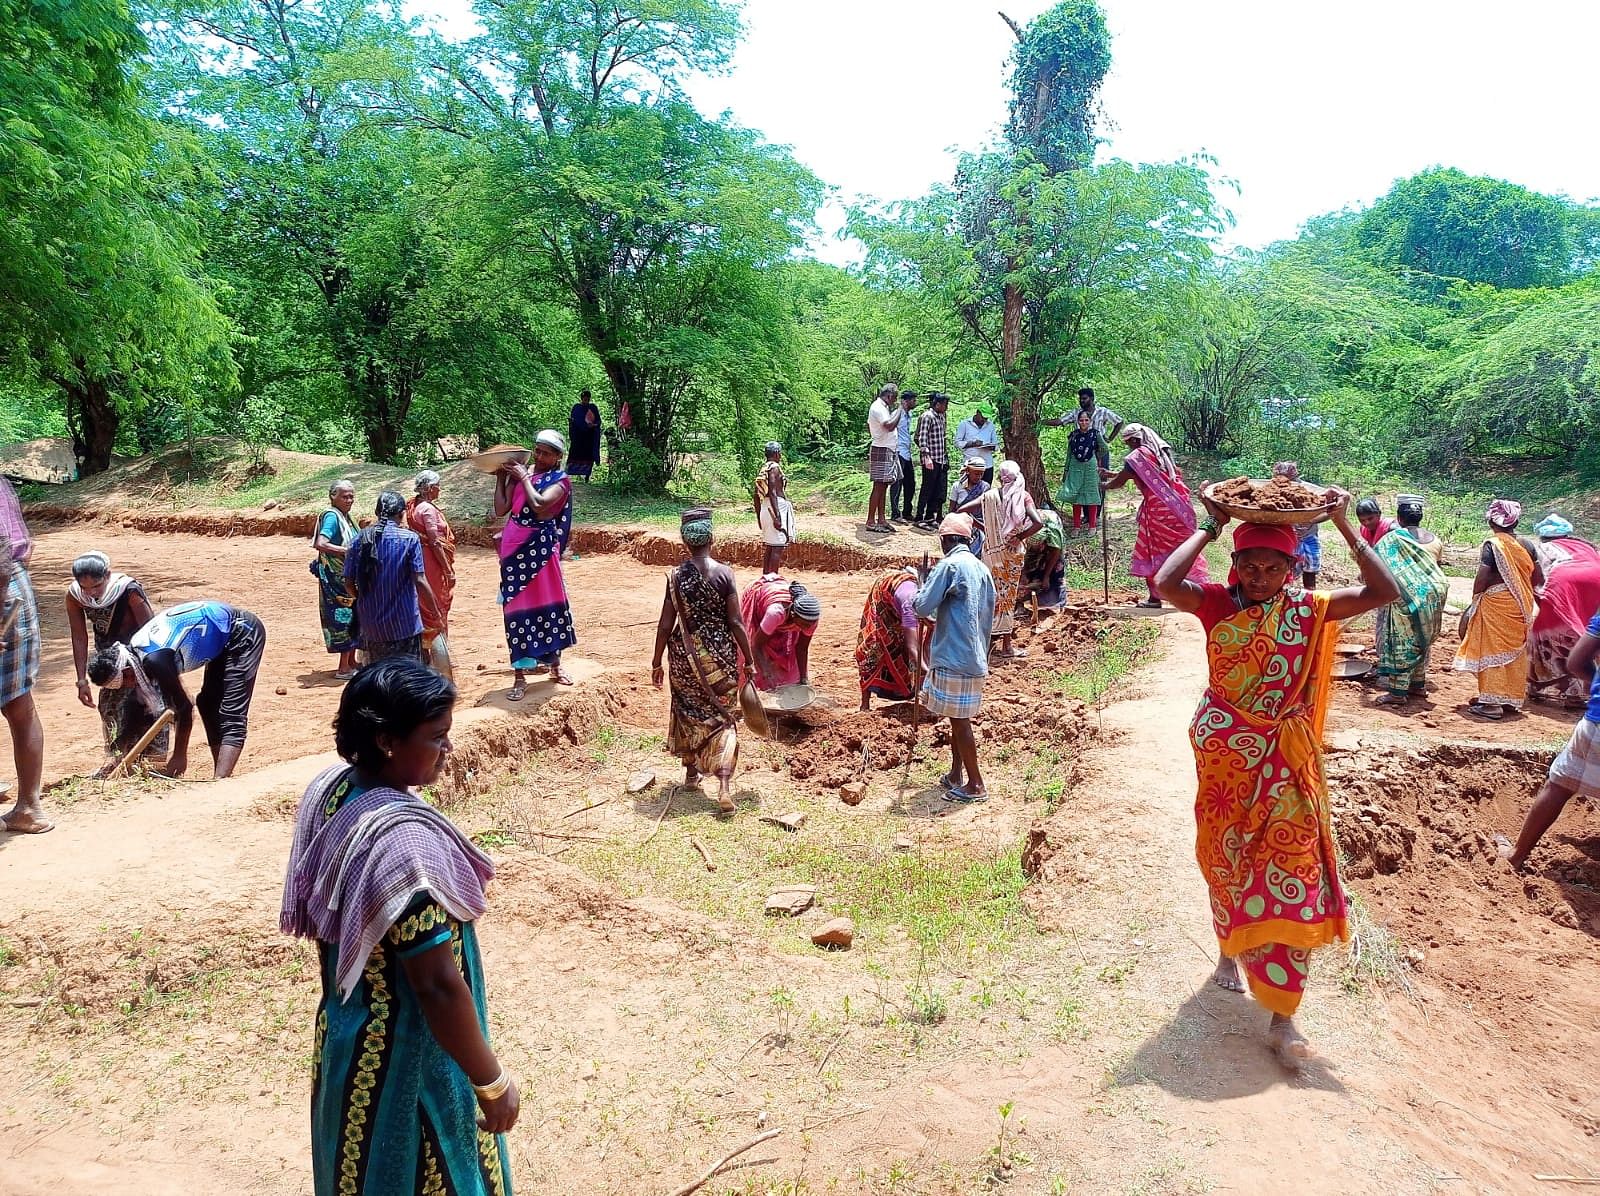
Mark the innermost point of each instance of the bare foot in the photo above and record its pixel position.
(1228, 975)
(725, 804)
(1288, 1044)
(26, 822)
(1505, 851)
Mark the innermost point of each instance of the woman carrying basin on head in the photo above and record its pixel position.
(1265, 838)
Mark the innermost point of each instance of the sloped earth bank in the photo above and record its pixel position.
(159, 1025)
(1518, 952)
(644, 545)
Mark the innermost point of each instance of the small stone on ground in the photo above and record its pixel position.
(791, 900)
(836, 934)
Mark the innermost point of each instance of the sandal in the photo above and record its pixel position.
(961, 797)
(1149, 604)
(517, 692)
(1490, 714)
(1391, 699)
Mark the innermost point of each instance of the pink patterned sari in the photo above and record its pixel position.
(1166, 516)
(532, 592)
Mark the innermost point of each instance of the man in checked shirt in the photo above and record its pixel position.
(933, 446)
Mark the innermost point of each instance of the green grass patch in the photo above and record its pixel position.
(1120, 648)
(949, 902)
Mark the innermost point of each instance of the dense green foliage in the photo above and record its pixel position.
(319, 224)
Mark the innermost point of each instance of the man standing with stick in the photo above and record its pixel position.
(958, 595)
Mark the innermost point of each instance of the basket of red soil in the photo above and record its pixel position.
(1272, 500)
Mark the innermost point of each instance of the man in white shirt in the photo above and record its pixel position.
(976, 437)
(883, 458)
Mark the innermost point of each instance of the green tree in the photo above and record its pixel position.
(102, 298)
(348, 228)
(1057, 269)
(660, 227)
(1106, 256)
(1451, 225)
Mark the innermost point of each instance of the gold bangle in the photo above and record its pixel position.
(495, 1089)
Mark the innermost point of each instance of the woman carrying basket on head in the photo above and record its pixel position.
(1264, 833)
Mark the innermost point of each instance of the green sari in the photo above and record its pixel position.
(1408, 626)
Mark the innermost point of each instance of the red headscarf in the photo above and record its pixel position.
(1280, 537)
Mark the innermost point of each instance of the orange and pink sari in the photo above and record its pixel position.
(1265, 836)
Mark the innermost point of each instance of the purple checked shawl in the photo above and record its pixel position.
(352, 875)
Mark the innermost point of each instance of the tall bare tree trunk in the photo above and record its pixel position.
(93, 419)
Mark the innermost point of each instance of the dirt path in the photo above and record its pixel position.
(1400, 1106)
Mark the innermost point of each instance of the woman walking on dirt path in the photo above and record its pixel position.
(1408, 626)
(888, 647)
(538, 614)
(425, 518)
(114, 606)
(384, 572)
(780, 617)
(1166, 514)
(19, 667)
(774, 511)
(703, 636)
(406, 1094)
(1495, 629)
(1009, 519)
(1265, 837)
(1571, 594)
(336, 609)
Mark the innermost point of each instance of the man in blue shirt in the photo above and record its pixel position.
(383, 572)
(224, 640)
(1577, 768)
(903, 494)
(958, 595)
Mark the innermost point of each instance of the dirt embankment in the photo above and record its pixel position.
(647, 547)
(1417, 828)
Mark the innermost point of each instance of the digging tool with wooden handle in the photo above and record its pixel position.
(916, 681)
(1105, 545)
(137, 749)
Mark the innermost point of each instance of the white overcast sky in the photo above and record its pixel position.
(1308, 106)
